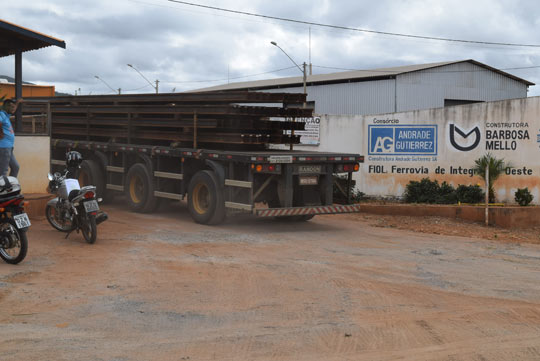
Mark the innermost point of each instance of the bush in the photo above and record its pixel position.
(339, 197)
(523, 197)
(428, 191)
(357, 196)
(470, 194)
(425, 191)
(447, 194)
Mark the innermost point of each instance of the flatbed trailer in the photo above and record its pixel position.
(293, 184)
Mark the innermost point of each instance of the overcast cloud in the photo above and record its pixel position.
(185, 47)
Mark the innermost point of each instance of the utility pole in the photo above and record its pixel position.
(303, 70)
(487, 195)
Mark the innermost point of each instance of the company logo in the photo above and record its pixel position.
(402, 139)
(464, 148)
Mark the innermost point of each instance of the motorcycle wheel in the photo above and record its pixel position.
(89, 229)
(16, 253)
(63, 225)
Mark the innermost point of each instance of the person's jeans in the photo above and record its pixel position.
(13, 165)
(7, 161)
(5, 158)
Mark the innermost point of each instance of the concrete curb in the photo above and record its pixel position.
(506, 217)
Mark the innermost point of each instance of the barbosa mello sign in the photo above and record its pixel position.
(415, 143)
(444, 143)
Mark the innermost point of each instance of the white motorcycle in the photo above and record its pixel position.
(74, 208)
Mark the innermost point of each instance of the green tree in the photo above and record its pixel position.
(496, 168)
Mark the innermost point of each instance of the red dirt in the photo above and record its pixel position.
(348, 287)
(451, 227)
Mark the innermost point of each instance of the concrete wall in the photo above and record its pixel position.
(442, 144)
(33, 154)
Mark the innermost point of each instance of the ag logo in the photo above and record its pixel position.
(465, 148)
(381, 140)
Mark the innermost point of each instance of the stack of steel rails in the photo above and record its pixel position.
(219, 120)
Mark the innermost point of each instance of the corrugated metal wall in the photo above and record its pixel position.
(369, 97)
(419, 90)
(464, 81)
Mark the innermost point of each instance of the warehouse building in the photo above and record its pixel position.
(7, 89)
(398, 89)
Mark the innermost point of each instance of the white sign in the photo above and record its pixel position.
(311, 133)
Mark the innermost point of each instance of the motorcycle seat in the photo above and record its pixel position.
(74, 193)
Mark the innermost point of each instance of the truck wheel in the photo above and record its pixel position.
(91, 174)
(139, 189)
(205, 198)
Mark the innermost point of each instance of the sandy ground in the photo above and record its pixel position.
(451, 227)
(347, 287)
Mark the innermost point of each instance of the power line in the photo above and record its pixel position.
(354, 29)
(232, 78)
(131, 90)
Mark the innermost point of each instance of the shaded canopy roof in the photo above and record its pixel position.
(13, 38)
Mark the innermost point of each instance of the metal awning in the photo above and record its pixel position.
(15, 38)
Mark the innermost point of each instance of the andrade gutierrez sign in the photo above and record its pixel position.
(402, 143)
(402, 140)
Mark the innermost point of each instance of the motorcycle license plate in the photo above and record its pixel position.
(21, 220)
(91, 206)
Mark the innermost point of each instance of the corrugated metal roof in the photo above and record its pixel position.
(15, 38)
(347, 76)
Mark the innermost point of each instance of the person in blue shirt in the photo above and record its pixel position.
(7, 139)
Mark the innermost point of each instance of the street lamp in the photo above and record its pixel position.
(302, 70)
(104, 82)
(153, 86)
(304, 75)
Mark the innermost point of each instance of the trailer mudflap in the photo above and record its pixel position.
(300, 211)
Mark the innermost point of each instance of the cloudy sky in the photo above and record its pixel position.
(187, 47)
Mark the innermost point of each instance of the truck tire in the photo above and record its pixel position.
(91, 174)
(205, 198)
(139, 189)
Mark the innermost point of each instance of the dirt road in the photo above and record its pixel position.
(160, 287)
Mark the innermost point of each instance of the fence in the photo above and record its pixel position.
(36, 118)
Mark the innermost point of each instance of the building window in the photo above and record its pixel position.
(451, 102)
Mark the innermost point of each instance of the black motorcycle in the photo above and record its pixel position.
(14, 221)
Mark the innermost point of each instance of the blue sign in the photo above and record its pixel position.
(402, 139)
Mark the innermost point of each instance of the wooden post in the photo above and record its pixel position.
(18, 90)
(194, 130)
(487, 195)
(88, 115)
(49, 119)
(292, 135)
